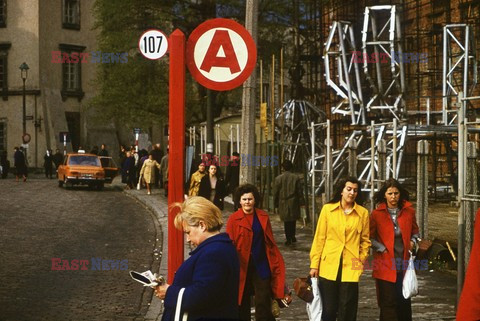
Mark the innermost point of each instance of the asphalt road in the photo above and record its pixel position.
(40, 222)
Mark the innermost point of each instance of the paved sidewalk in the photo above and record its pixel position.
(436, 300)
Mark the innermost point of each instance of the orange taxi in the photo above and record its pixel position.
(81, 169)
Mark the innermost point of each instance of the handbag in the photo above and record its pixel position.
(410, 283)
(179, 307)
(314, 308)
(303, 289)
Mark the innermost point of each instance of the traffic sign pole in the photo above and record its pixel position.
(176, 163)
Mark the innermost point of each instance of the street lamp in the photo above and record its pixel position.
(24, 73)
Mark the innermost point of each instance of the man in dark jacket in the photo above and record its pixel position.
(20, 164)
(288, 198)
(232, 175)
(57, 158)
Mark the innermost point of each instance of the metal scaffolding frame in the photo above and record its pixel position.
(386, 43)
(459, 59)
(341, 63)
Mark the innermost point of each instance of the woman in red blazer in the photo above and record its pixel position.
(393, 232)
(262, 269)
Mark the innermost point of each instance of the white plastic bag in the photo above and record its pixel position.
(178, 315)
(139, 182)
(410, 283)
(314, 309)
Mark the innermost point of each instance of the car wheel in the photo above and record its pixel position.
(100, 186)
(60, 183)
(68, 184)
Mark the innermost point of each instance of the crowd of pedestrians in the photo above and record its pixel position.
(345, 233)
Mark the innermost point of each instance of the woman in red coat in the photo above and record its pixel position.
(262, 269)
(393, 232)
(469, 304)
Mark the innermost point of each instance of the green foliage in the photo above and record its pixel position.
(136, 93)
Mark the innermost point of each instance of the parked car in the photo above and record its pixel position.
(110, 167)
(81, 169)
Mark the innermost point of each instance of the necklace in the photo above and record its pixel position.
(346, 211)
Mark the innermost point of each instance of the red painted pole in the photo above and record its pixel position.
(176, 161)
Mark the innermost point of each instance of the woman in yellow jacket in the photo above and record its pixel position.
(339, 249)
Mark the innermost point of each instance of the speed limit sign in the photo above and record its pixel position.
(153, 44)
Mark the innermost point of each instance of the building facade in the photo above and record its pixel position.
(56, 40)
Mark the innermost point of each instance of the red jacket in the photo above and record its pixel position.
(241, 233)
(469, 304)
(381, 229)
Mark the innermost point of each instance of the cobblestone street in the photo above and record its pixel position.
(40, 221)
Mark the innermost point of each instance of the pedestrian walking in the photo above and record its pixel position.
(148, 172)
(262, 269)
(48, 163)
(393, 232)
(232, 174)
(57, 158)
(288, 198)
(4, 163)
(20, 164)
(212, 187)
(128, 171)
(164, 173)
(341, 239)
(210, 276)
(158, 156)
(196, 179)
(103, 150)
(103, 153)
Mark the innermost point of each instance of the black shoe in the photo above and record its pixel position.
(288, 242)
(294, 239)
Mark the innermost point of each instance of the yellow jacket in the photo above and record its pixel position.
(341, 235)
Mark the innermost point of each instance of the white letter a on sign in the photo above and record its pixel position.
(221, 39)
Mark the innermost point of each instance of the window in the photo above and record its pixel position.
(3, 13)
(71, 72)
(71, 14)
(3, 69)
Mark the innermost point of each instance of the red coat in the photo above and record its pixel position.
(469, 304)
(241, 233)
(381, 229)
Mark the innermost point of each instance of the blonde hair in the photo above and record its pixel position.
(196, 209)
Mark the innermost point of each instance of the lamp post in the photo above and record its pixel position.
(24, 73)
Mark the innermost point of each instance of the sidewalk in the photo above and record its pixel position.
(436, 300)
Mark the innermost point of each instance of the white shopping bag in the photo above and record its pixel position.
(139, 182)
(410, 283)
(314, 309)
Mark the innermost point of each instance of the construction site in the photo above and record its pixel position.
(387, 89)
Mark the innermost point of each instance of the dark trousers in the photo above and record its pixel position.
(393, 306)
(263, 297)
(339, 299)
(290, 230)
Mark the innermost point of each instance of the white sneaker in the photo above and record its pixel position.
(148, 193)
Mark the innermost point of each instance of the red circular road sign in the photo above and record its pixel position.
(221, 54)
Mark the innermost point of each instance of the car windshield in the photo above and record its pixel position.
(84, 160)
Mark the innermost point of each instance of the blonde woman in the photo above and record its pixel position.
(148, 172)
(210, 276)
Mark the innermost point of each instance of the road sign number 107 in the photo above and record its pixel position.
(153, 44)
(149, 44)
